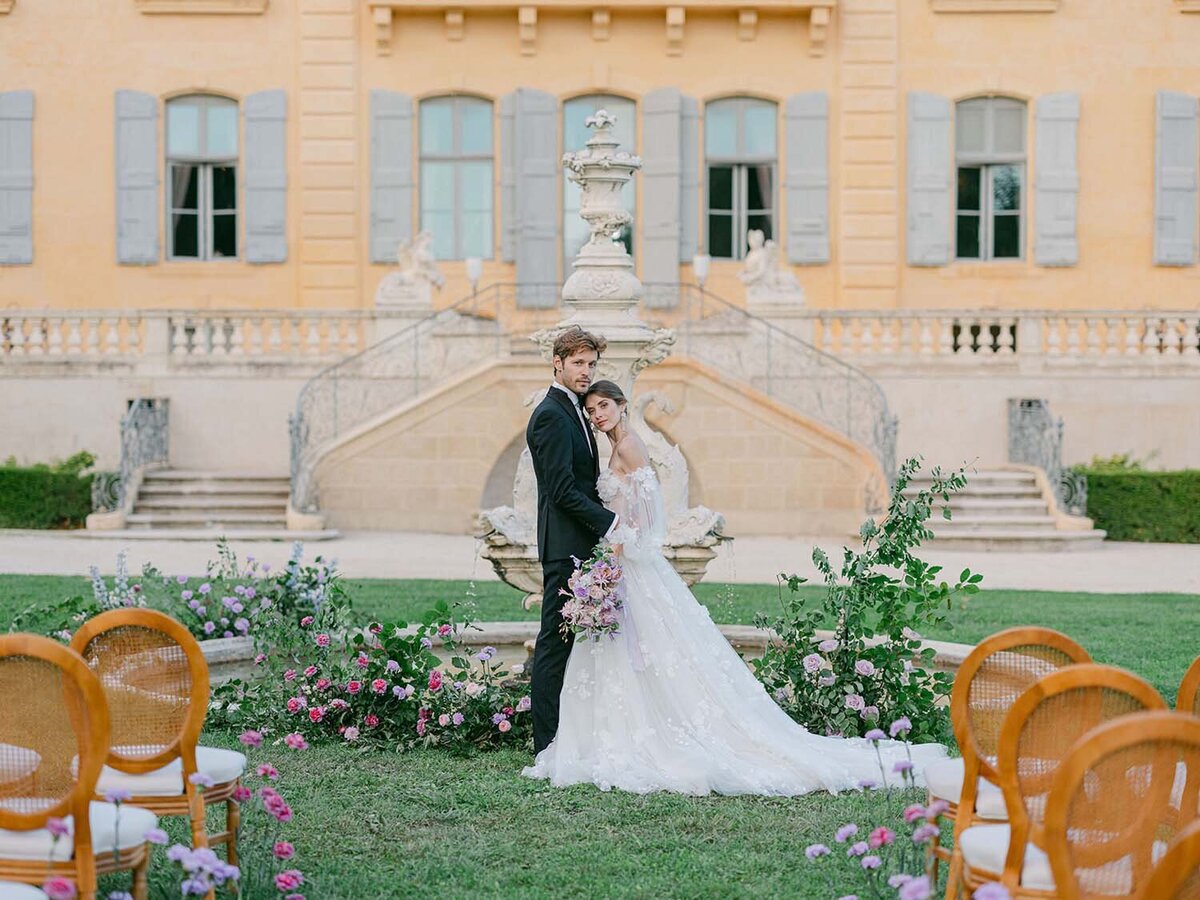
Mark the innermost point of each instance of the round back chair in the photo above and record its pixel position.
(1188, 699)
(54, 737)
(1121, 817)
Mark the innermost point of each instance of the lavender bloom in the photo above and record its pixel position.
(845, 833)
(864, 667)
(812, 663)
(901, 726)
(858, 848)
(916, 889)
(815, 851)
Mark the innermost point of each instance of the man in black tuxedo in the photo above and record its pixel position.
(571, 520)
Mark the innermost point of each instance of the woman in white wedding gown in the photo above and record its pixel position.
(667, 704)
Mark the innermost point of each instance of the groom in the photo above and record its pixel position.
(571, 520)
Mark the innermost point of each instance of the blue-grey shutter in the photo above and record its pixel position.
(661, 200)
(930, 171)
(508, 179)
(689, 179)
(391, 173)
(806, 189)
(265, 116)
(1175, 180)
(16, 178)
(535, 147)
(136, 155)
(1057, 184)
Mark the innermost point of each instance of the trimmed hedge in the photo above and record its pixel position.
(40, 497)
(1135, 505)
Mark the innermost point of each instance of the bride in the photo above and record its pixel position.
(667, 704)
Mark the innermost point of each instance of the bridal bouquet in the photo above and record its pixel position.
(594, 594)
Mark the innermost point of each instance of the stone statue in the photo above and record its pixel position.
(412, 286)
(765, 277)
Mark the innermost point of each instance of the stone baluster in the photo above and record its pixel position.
(837, 335)
(1112, 333)
(1054, 337)
(1191, 338)
(1133, 344)
(1150, 338)
(74, 340)
(237, 338)
(887, 337)
(1008, 337)
(1073, 343)
(1091, 330)
(312, 343)
(946, 337)
(275, 340)
(91, 345)
(178, 345)
(257, 326)
(54, 336)
(35, 343)
(16, 340)
(112, 336)
(216, 341)
(1173, 339)
(925, 341)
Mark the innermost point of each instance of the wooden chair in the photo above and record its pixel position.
(1188, 699)
(54, 736)
(990, 679)
(1037, 734)
(1121, 814)
(155, 678)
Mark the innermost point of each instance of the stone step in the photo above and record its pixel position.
(999, 492)
(203, 520)
(206, 475)
(1020, 541)
(990, 505)
(215, 488)
(207, 534)
(990, 520)
(209, 504)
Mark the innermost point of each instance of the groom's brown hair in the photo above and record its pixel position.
(575, 339)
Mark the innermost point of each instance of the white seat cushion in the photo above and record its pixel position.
(17, 762)
(945, 779)
(10, 890)
(130, 830)
(984, 848)
(221, 766)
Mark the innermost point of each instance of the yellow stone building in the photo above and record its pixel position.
(982, 200)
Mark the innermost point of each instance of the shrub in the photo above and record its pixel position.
(874, 668)
(54, 495)
(1133, 504)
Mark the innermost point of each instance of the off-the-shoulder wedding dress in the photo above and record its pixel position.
(668, 705)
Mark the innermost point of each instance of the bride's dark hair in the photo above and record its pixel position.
(609, 389)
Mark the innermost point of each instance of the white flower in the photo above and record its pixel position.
(517, 669)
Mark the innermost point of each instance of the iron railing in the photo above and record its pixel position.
(1035, 438)
(145, 443)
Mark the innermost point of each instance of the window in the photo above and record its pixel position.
(739, 151)
(990, 157)
(575, 136)
(456, 176)
(202, 154)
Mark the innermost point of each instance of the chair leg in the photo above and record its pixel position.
(233, 822)
(932, 859)
(954, 874)
(141, 882)
(196, 814)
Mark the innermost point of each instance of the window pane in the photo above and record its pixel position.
(185, 187)
(760, 223)
(759, 129)
(475, 186)
(575, 113)
(1008, 127)
(222, 129)
(441, 226)
(968, 188)
(477, 234)
(437, 127)
(969, 126)
(475, 123)
(224, 187)
(184, 239)
(968, 237)
(437, 186)
(1006, 187)
(720, 129)
(720, 236)
(759, 191)
(183, 129)
(224, 235)
(1007, 231)
(720, 187)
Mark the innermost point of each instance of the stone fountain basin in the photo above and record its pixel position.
(230, 658)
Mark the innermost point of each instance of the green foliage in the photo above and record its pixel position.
(873, 670)
(1132, 504)
(46, 495)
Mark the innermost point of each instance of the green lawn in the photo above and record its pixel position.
(429, 824)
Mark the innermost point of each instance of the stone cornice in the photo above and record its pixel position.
(201, 7)
(1188, 5)
(6, 6)
(994, 6)
(674, 13)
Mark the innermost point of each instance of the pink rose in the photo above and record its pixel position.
(322, 640)
(284, 850)
(505, 725)
(371, 720)
(322, 684)
(435, 680)
(362, 661)
(354, 687)
(59, 889)
(379, 685)
(251, 738)
(420, 727)
(296, 741)
(310, 671)
(289, 675)
(444, 630)
(289, 880)
(881, 837)
(260, 658)
(241, 794)
(306, 621)
(266, 770)
(338, 703)
(295, 704)
(443, 720)
(317, 713)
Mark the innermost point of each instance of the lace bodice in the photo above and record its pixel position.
(637, 499)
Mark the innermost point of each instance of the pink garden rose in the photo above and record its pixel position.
(444, 630)
(266, 770)
(322, 640)
(881, 837)
(241, 793)
(295, 704)
(350, 734)
(322, 684)
(296, 741)
(289, 880)
(289, 675)
(362, 661)
(420, 728)
(59, 889)
(251, 738)
(435, 680)
(371, 720)
(505, 725)
(310, 671)
(317, 713)
(443, 720)
(379, 686)
(306, 621)
(284, 850)
(354, 687)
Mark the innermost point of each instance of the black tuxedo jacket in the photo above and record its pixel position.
(571, 519)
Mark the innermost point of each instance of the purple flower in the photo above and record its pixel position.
(845, 833)
(118, 795)
(923, 834)
(241, 625)
(868, 784)
(156, 836)
(498, 718)
(251, 738)
(875, 734)
(827, 680)
(485, 654)
(899, 880)
(991, 891)
(393, 667)
(916, 889)
(827, 646)
(858, 849)
(457, 718)
(177, 853)
(205, 588)
(188, 595)
(812, 663)
(57, 827)
(210, 627)
(200, 780)
(398, 692)
(524, 704)
(870, 713)
(813, 851)
(864, 667)
(871, 862)
(426, 643)
(855, 702)
(901, 766)
(901, 726)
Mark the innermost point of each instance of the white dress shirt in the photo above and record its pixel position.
(583, 421)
